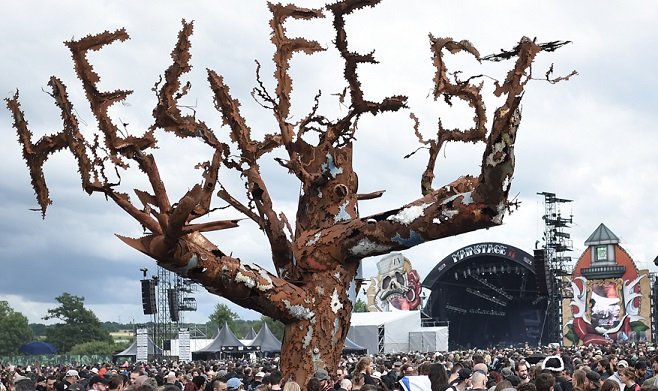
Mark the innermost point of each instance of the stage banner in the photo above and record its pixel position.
(142, 345)
(184, 352)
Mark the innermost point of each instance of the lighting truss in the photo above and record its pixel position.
(486, 297)
(456, 309)
(491, 286)
(486, 312)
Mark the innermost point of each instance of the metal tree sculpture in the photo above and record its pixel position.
(316, 261)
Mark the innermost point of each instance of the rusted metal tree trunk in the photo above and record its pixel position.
(316, 261)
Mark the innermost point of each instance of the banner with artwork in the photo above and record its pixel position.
(606, 311)
(395, 287)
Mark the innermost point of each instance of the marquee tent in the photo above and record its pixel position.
(352, 347)
(250, 335)
(224, 343)
(131, 351)
(267, 341)
(37, 347)
(383, 332)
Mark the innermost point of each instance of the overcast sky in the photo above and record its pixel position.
(591, 139)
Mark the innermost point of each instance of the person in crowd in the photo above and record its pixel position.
(578, 380)
(98, 383)
(439, 377)
(628, 379)
(592, 381)
(325, 381)
(555, 365)
(313, 385)
(234, 384)
(641, 371)
(51, 383)
(23, 383)
(605, 369)
(393, 375)
(171, 379)
(521, 370)
(357, 381)
(653, 380)
(462, 381)
(610, 385)
(526, 387)
(275, 380)
(115, 383)
(218, 384)
(364, 366)
(291, 386)
(621, 365)
(134, 374)
(258, 380)
(337, 377)
(345, 385)
(454, 371)
(71, 377)
(545, 382)
(478, 381)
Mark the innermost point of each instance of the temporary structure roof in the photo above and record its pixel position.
(352, 347)
(224, 342)
(132, 349)
(267, 341)
(250, 335)
(37, 347)
(224, 338)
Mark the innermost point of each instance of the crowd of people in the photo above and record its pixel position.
(631, 367)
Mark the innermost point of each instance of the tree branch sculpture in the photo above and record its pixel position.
(316, 261)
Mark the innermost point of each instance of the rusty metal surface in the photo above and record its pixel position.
(317, 257)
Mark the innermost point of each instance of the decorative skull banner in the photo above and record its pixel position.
(396, 286)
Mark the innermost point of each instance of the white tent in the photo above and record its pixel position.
(429, 339)
(383, 332)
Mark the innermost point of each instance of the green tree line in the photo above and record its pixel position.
(79, 331)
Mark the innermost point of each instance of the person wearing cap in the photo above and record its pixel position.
(234, 384)
(555, 366)
(258, 380)
(71, 377)
(98, 383)
(621, 365)
(325, 381)
(592, 381)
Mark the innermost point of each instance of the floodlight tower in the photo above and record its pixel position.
(556, 243)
